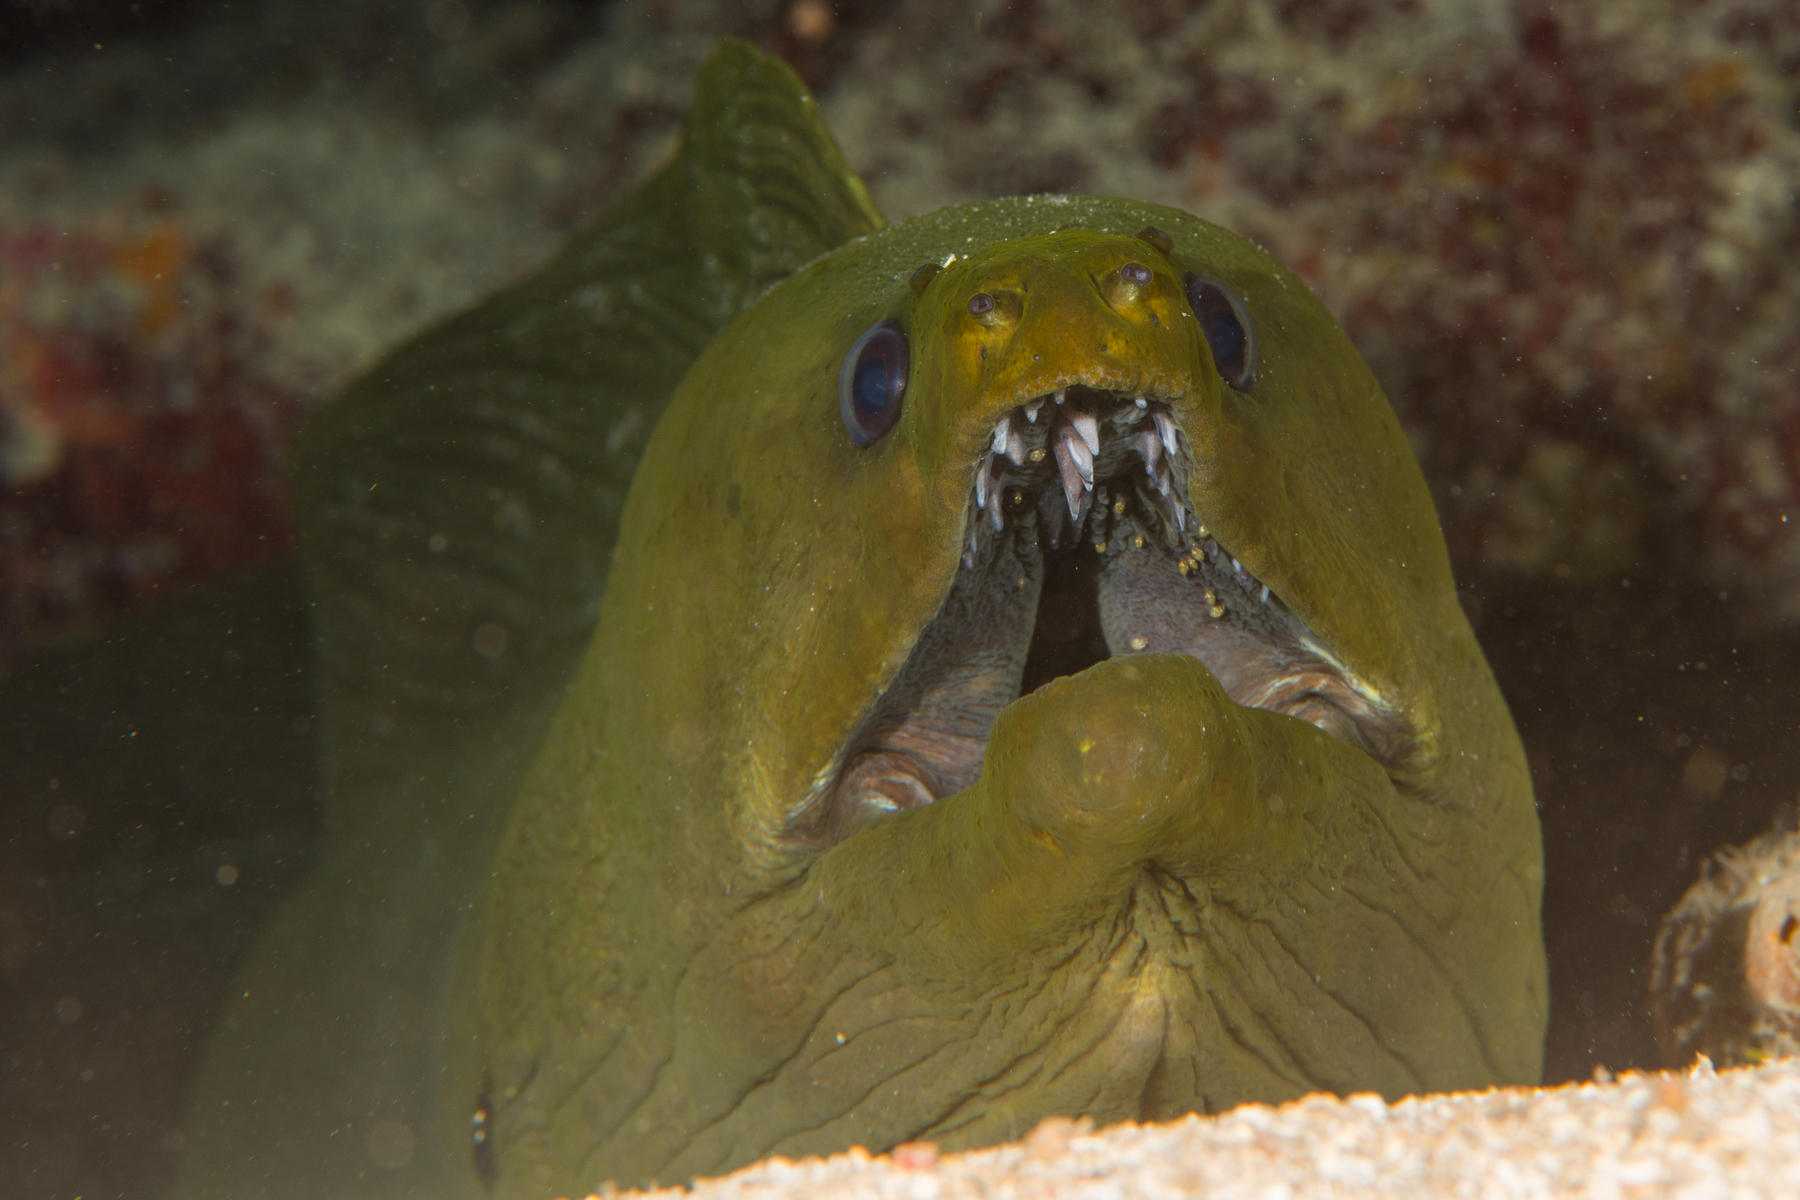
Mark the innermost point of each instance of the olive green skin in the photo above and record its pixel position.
(560, 880)
(474, 478)
(1153, 901)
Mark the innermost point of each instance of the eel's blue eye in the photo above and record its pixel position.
(1228, 329)
(872, 382)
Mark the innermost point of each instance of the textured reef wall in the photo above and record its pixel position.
(1563, 236)
(140, 433)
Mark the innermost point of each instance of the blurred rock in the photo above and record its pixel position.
(1725, 979)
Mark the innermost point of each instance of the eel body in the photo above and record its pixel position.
(1023, 677)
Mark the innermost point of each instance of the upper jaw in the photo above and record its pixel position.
(1110, 471)
(1064, 444)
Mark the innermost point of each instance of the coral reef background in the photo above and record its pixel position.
(1564, 236)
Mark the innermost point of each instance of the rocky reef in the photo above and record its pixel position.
(1563, 237)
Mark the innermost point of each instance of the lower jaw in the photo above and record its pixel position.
(1029, 606)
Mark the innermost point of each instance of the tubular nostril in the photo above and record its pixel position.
(1126, 287)
(980, 304)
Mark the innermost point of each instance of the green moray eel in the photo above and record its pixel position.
(1027, 680)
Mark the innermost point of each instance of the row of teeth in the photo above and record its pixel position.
(1074, 439)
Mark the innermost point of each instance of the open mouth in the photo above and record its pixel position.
(1081, 545)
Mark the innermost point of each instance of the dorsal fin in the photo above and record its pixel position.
(457, 509)
(471, 483)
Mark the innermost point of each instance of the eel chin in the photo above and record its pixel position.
(1081, 544)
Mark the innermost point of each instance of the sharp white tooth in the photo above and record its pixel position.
(1031, 411)
(1068, 439)
(1166, 428)
(1015, 446)
(993, 510)
(1073, 486)
(969, 559)
(1059, 394)
(1089, 429)
(1180, 519)
(1151, 448)
(1141, 403)
(1237, 566)
(1162, 479)
(1265, 595)
(997, 444)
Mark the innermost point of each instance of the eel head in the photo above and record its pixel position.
(1030, 682)
(1080, 541)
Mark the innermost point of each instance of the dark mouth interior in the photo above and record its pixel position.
(1080, 545)
(1068, 637)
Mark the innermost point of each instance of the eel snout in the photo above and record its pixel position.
(1080, 545)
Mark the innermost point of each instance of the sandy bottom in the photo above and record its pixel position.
(1694, 1135)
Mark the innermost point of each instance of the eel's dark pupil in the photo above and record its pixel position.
(980, 303)
(1227, 339)
(871, 385)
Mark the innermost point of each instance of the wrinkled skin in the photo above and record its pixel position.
(1152, 900)
(475, 479)
(1145, 898)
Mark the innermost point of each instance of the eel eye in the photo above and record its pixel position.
(980, 303)
(1136, 273)
(1228, 329)
(872, 382)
